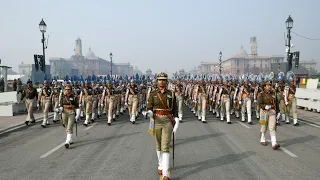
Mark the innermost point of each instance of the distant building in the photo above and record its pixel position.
(241, 62)
(86, 65)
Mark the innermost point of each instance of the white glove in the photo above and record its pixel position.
(255, 100)
(37, 104)
(101, 104)
(239, 102)
(267, 107)
(80, 105)
(60, 109)
(57, 110)
(77, 114)
(150, 113)
(176, 125)
(286, 103)
(126, 104)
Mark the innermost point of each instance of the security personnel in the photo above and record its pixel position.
(55, 101)
(68, 105)
(30, 93)
(290, 99)
(107, 98)
(179, 95)
(87, 101)
(162, 106)
(267, 103)
(95, 92)
(45, 96)
(224, 95)
(131, 100)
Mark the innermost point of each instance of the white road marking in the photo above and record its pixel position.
(52, 150)
(90, 126)
(61, 145)
(243, 124)
(285, 150)
(309, 124)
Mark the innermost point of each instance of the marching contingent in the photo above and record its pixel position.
(269, 98)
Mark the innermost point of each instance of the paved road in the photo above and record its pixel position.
(215, 150)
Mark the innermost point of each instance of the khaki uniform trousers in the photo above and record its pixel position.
(180, 103)
(132, 104)
(94, 103)
(29, 106)
(271, 122)
(46, 102)
(100, 102)
(163, 131)
(225, 105)
(118, 104)
(115, 103)
(202, 105)
(68, 117)
(109, 106)
(246, 104)
(55, 107)
(88, 105)
(292, 108)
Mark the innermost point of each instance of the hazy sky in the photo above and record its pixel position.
(157, 34)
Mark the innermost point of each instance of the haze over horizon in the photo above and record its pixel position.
(160, 35)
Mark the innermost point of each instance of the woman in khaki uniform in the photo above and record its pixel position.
(162, 107)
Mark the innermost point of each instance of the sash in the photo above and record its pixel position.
(165, 107)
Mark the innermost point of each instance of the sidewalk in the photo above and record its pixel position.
(9, 122)
(309, 116)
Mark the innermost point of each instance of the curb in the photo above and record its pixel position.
(15, 127)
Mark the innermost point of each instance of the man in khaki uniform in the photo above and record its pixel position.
(45, 96)
(30, 93)
(267, 103)
(163, 107)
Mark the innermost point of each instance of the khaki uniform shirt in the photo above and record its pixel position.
(168, 99)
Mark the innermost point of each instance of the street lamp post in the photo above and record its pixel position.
(43, 29)
(220, 54)
(111, 63)
(289, 25)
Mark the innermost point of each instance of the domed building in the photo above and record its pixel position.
(241, 62)
(90, 64)
(90, 54)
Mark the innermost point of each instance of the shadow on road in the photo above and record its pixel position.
(297, 140)
(197, 138)
(88, 142)
(211, 163)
